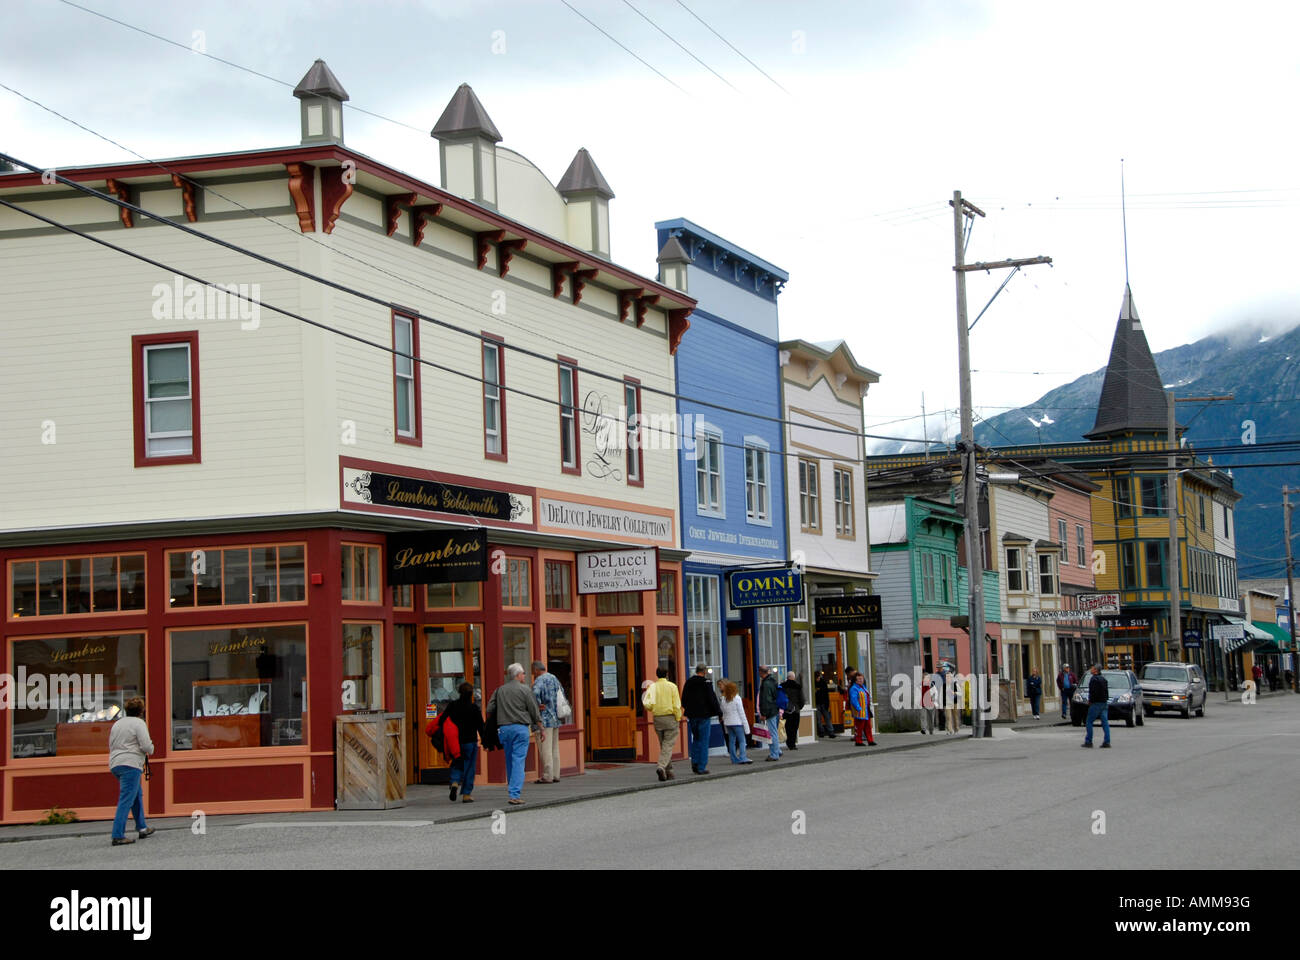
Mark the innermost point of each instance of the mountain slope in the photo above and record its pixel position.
(1262, 373)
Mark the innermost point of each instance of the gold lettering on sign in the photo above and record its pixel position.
(454, 500)
(407, 557)
(86, 651)
(242, 645)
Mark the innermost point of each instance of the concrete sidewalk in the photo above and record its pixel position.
(427, 805)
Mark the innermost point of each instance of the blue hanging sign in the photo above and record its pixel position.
(773, 587)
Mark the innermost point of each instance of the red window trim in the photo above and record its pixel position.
(138, 343)
(417, 418)
(546, 586)
(501, 395)
(570, 365)
(640, 435)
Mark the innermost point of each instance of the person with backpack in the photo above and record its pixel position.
(551, 700)
(770, 710)
(461, 724)
(793, 691)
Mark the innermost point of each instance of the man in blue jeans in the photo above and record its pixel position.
(516, 713)
(700, 704)
(769, 711)
(1098, 705)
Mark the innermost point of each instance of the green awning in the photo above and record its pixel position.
(1279, 640)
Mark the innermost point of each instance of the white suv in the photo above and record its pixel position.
(1173, 686)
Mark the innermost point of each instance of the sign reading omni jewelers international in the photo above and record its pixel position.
(372, 488)
(618, 571)
(858, 612)
(437, 556)
(777, 587)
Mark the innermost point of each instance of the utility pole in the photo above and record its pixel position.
(1290, 588)
(963, 210)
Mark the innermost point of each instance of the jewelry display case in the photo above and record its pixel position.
(228, 713)
(81, 731)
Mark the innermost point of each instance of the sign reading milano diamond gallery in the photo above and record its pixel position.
(857, 612)
(618, 571)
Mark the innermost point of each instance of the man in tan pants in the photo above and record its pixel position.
(664, 704)
(546, 688)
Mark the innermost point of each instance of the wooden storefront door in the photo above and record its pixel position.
(611, 694)
(740, 668)
(447, 656)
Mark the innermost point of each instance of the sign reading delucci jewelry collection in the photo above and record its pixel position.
(858, 612)
(618, 571)
(766, 588)
(437, 556)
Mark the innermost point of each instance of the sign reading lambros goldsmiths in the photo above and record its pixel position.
(434, 496)
(437, 556)
(858, 612)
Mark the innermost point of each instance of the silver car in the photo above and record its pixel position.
(1173, 686)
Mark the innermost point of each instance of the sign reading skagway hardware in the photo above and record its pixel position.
(1099, 602)
(858, 612)
(434, 496)
(437, 556)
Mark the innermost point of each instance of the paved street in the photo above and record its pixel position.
(1213, 792)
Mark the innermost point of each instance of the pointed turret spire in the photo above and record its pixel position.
(1132, 395)
(467, 148)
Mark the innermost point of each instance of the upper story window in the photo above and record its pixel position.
(1081, 551)
(1015, 570)
(757, 498)
(1123, 497)
(927, 577)
(843, 502)
(708, 473)
(1227, 522)
(810, 510)
(1153, 495)
(948, 582)
(1155, 564)
(517, 583)
(632, 406)
(666, 597)
(238, 576)
(569, 440)
(1063, 536)
(165, 379)
(494, 400)
(1201, 503)
(1047, 582)
(68, 586)
(406, 378)
(360, 573)
(1129, 565)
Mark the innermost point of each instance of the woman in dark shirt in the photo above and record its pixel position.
(468, 718)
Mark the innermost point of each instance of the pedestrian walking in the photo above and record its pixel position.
(129, 748)
(1271, 672)
(794, 705)
(951, 702)
(1065, 683)
(664, 704)
(1098, 705)
(1257, 674)
(860, 704)
(466, 716)
(734, 722)
(547, 690)
(514, 708)
(822, 699)
(770, 711)
(1034, 687)
(700, 704)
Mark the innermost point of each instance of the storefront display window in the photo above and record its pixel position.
(770, 624)
(453, 596)
(237, 576)
(518, 641)
(516, 584)
(668, 651)
(67, 691)
(363, 652)
(69, 586)
(360, 573)
(239, 687)
(454, 657)
(559, 659)
(703, 642)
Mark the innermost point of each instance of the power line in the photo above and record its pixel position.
(626, 49)
(674, 40)
(733, 47)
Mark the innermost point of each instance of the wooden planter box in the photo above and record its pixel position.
(369, 761)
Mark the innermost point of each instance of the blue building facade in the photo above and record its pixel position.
(732, 477)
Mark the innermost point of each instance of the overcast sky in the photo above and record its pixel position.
(838, 168)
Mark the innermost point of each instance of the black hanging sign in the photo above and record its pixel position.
(857, 612)
(389, 490)
(437, 556)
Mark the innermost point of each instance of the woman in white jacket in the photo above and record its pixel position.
(128, 745)
(734, 722)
